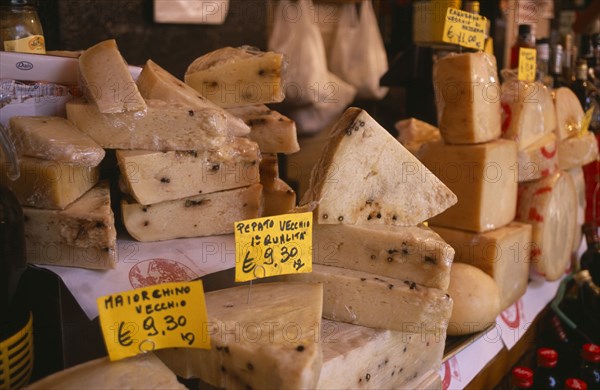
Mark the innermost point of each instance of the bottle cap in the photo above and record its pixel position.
(522, 376)
(575, 384)
(591, 353)
(524, 29)
(547, 357)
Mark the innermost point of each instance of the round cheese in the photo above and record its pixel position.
(539, 159)
(577, 151)
(579, 180)
(569, 113)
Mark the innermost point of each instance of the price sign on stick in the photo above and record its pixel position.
(527, 64)
(161, 316)
(464, 29)
(271, 246)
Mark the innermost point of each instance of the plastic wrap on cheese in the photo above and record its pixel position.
(577, 151)
(569, 113)
(413, 133)
(539, 159)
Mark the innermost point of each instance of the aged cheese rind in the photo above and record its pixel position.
(569, 113)
(540, 159)
(482, 176)
(153, 177)
(49, 184)
(231, 77)
(196, 216)
(577, 151)
(550, 206)
(412, 253)
(53, 138)
(107, 81)
(503, 254)
(93, 257)
(412, 133)
(357, 357)
(467, 98)
(267, 341)
(379, 302)
(365, 176)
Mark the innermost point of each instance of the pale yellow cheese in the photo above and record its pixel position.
(467, 93)
(412, 133)
(483, 176)
(569, 113)
(107, 81)
(53, 138)
(279, 197)
(539, 159)
(93, 257)
(577, 151)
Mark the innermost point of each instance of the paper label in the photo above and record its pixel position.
(464, 29)
(161, 316)
(527, 64)
(587, 120)
(271, 246)
(32, 44)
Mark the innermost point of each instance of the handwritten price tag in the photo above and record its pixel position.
(464, 29)
(271, 246)
(527, 64)
(161, 316)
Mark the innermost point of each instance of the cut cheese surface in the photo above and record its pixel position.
(92, 257)
(569, 113)
(153, 177)
(265, 340)
(53, 138)
(365, 176)
(579, 180)
(483, 177)
(279, 197)
(577, 151)
(379, 302)
(503, 254)
(467, 98)
(412, 253)
(412, 133)
(196, 216)
(231, 77)
(155, 82)
(107, 81)
(550, 206)
(539, 159)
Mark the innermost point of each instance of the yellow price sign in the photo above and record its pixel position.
(587, 121)
(161, 316)
(271, 246)
(464, 29)
(527, 64)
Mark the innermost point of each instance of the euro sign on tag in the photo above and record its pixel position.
(465, 29)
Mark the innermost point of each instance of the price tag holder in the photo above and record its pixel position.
(587, 121)
(464, 29)
(527, 64)
(271, 246)
(155, 317)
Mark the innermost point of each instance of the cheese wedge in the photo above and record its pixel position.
(106, 79)
(357, 357)
(144, 371)
(53, 138)
(503, 254)
(550, 206)
(273, 132)
(412, 133)
(279, 197)
(231, 77)
(577, 151)
(153, 177)
(579, 180)
(263, 338)
(196, 216)
(569, 113)
(49, 184)
(467, 94)
(365, 176)
(64, 255)
(379, 302)
(163, 126)
(155, 82)
(539, 159)
(482, 176)
(412, 253)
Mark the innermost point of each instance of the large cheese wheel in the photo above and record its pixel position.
(577, 151)
(550, 206)
(539, 159)
(579, 180)
(569, 113)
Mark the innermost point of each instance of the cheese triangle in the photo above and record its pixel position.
(365, 176)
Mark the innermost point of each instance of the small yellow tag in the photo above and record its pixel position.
(587, 120)
(161, 316)
(271, 246)
(527, 64)
(464, 29)
(489, 46)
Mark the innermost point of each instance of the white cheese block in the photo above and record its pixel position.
(503, 254)
(153, 177)
(53, 138)
(579, 180)
(577, 151)
(483, 177)
(569, 113)
(357, 357)
(467, 98)
(365, 176)
(163, 126)
(49, 184)
(550, 206)
(412, 253)
(231, 77)
(140, 372)
(274, 133)
(107, 81)
(263, 336)
(379, 302)
(539, 159)
(92, 257)
(196, 216)
(279, 197)
(155, 82)
(412, 133)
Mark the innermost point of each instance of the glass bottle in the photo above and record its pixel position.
(525, 39)
(543, 58)
(575, 384)
(20, 27)
(545, 376)
(590, 259)
(590, 365)
(583, 88)
(556, 68)
(522, 378)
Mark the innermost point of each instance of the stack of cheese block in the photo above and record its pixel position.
(68, 216)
